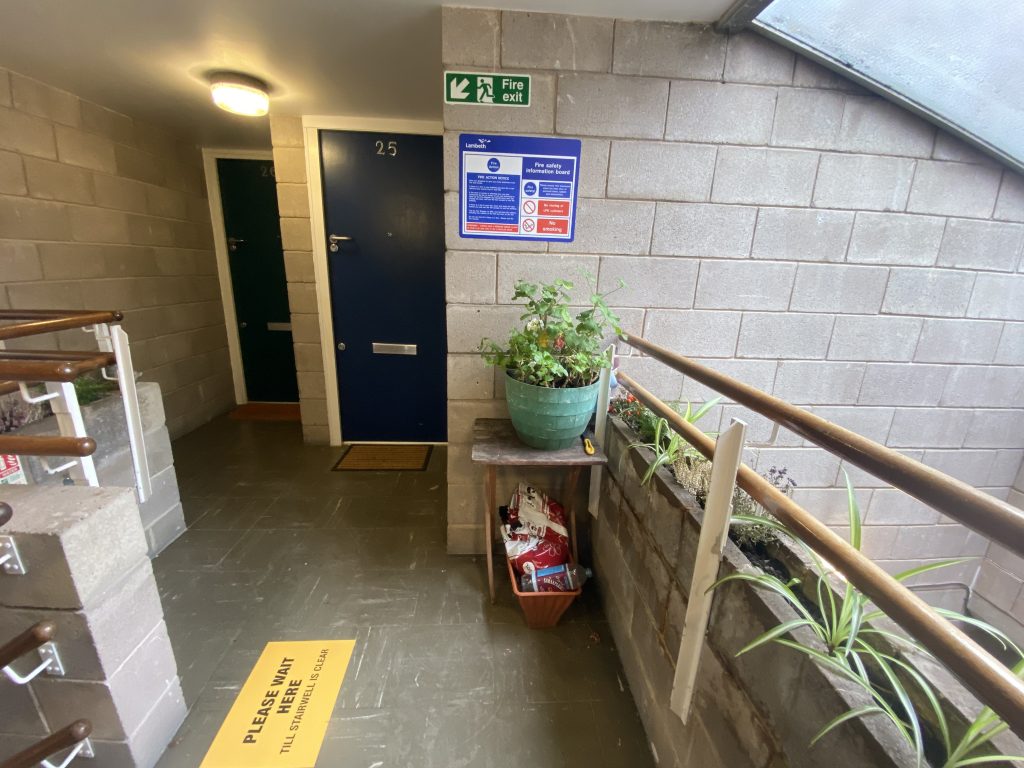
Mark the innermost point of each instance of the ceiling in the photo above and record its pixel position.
(147, 58)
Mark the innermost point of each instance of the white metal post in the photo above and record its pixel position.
(69, 419)
(717, 511)
(132, 413)
(604, 392)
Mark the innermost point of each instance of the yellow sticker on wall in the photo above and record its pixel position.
(281, 714)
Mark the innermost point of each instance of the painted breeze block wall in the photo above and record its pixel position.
(998, 594)
(286, 134)
(776, 222)
(746, 713)
(163, 519)
(101, 211)
(87, 571)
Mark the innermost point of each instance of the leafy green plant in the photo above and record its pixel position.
(635, 415)
(668, 445)
(848, 644)
(985, 727)
(555, 348)
(90, 389)
(665, 451)
(755, 535)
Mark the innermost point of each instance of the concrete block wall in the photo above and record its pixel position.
(87, 570)
(745, 712)
(287, 136)
(101, 211)
(162, 517)
(775, 222)
(998, 594)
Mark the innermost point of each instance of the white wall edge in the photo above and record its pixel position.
(314, 177)
(220, 247)
(381, 124)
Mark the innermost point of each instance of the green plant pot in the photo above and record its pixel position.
(547, 418)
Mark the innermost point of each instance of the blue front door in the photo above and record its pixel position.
(384, 218)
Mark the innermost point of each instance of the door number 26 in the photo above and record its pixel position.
(390, 148)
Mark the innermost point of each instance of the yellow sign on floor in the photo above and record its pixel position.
(280, 716)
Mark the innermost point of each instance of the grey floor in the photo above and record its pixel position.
(279, 547)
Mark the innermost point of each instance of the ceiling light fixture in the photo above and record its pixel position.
(239, 94)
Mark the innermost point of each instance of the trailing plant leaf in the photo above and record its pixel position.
(667, 444)
(851, 714)
(986, 726)
(845, 631)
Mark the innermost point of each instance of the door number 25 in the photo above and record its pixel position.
(390, 148)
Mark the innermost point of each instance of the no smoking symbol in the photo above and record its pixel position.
(528, 225)
(529, 207)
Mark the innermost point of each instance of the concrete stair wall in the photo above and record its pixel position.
(88, 570)
(161, 514)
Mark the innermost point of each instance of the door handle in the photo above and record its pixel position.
(234, 242)
(335, 239)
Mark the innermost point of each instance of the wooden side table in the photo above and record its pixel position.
(495, 444)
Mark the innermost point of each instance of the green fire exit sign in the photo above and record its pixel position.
(491, 88)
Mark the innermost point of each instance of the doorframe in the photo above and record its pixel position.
(220, 246)
(311, 127)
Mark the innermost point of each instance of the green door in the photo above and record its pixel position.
(249, 198)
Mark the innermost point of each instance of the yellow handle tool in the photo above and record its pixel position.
(588, 447)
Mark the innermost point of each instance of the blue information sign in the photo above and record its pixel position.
(518, 187)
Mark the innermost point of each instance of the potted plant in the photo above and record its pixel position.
(552, 364)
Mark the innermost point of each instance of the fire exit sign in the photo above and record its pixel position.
(489, 88)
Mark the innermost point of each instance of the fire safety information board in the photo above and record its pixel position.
(518, 187)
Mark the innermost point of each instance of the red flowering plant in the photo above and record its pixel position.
(635, 414)
(555, 348)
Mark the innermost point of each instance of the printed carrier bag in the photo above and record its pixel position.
(534, 531)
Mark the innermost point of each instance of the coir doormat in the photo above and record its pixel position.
(266, 412)
(280, 716)
(380, 457)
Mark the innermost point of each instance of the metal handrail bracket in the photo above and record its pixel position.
(81, 749)
(51, 665)
(10, 558)
(74, 737)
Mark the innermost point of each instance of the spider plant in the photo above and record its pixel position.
(986, 726)
(668, 444)
(858, 651)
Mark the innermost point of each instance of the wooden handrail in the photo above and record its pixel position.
(42, 365)
(32, 322)
(992, 682)
(985, 514)
(6, 513)
(31, 445)
(65, 738)
(32, 638)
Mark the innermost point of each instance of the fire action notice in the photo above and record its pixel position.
(518, 187)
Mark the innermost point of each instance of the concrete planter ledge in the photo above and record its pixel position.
(761, 709)
(161, 514)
